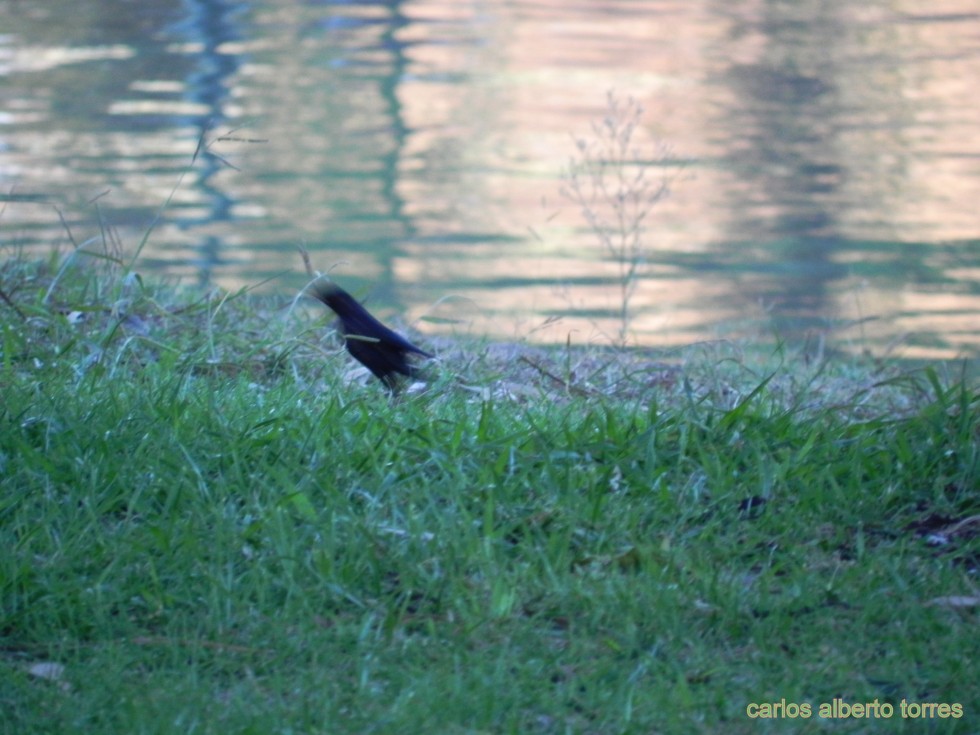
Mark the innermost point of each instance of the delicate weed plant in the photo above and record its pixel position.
(612, 182)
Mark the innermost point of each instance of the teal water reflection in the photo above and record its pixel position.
(823, 158)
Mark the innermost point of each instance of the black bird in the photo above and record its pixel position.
(371, 343)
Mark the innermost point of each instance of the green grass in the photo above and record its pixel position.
(212, 524)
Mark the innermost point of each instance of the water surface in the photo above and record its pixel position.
(823, 158)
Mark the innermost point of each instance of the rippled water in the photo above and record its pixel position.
(823, 158)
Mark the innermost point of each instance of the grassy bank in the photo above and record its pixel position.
(212, 524)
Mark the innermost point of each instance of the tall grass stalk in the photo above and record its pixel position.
(616, 184)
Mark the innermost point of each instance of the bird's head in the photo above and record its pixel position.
(331, 294)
